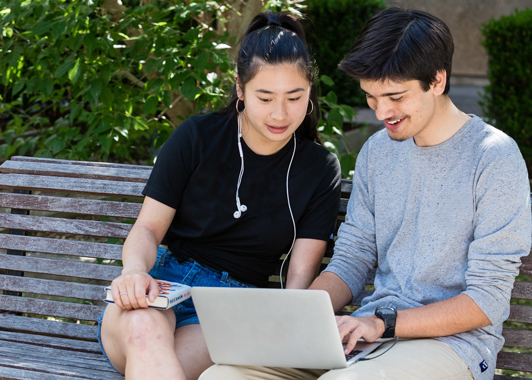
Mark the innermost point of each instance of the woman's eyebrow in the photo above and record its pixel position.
(288, 92)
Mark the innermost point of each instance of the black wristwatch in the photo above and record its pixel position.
(388, 315)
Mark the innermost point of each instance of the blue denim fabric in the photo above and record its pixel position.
(190, 273)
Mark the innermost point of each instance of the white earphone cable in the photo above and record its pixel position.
(291, 213)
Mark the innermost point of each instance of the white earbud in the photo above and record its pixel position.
(240, 208)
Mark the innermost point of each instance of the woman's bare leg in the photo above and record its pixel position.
(140, 343)
(191, 351)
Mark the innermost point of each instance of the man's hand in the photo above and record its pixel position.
(368, 328)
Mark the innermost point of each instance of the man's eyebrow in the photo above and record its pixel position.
(288, 92)
(387, 94)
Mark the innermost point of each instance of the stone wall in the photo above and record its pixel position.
(464, 18)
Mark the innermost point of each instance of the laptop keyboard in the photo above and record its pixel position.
(352, 354)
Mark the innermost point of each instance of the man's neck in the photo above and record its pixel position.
(446, 121)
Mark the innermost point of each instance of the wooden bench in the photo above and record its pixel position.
(63, 225)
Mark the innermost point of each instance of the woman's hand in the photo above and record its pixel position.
(130, 289)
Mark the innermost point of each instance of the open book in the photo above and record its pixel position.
(170, 294)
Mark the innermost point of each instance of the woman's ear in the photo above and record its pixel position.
(239, 89)
(438, 86)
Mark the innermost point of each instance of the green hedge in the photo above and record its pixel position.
(508, 99)
(335, 26)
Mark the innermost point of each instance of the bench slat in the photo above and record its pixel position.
(51, 308)
(65, 226)
(51, 342)
(52, 287)
(70, 205)
(517, 338)
(16, 323)
(56, 366)
(520, 313)
(522, 290)
(346, 186)
(61, 246)
(75, 358)
(71, 185)
(60, 267)
(83, 163)
(9, 373)
(514, 361)
(526, 266)
(76, 171)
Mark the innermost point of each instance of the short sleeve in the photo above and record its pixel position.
(174, 166)
(319, 218)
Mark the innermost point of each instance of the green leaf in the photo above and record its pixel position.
(189, 89)
(42, 28)
(96, 89)
(167, 99)
(62, 70)
(151, 103)
(57, 146)
(58, 28)
(347, 163)
(8, 32)
(107, 97)
(332, 98)
(202, 59)
(47, 85)
(327, 80)
(89, 41)
(73, 73)
(19, 85)
(105, 74)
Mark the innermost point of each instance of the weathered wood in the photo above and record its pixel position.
(70, 205)
(520, 313)
(61, 246)
(346, 186)
(51, 367)
(61, 267)
(65, 226)
(514, 361)
(50, 342)
(17, 323)
(76, 171)
(83, 163)
(9, 373)
(526, 266)
(51, 308)
(517, 338)
(71, 185)
(343, 206)
(55, 355)
(522, 290)
(52, 287)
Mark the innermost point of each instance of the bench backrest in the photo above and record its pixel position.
(64, 223)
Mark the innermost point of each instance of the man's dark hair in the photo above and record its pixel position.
(401, 45)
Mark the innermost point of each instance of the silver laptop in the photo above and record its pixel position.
(273, 327)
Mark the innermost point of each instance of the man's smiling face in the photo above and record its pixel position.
(407, 110)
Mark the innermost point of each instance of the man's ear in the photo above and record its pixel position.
(438, 86)
(239, 89)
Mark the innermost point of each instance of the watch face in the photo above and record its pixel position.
(385, 311)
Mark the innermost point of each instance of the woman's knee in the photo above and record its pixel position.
(136, 326)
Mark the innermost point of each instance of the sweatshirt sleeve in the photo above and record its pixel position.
(355, 251)
(502, 228)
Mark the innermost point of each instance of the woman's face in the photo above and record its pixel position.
(276, 100)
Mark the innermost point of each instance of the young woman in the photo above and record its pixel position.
(230, 192)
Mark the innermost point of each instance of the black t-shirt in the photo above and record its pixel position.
(197, 172)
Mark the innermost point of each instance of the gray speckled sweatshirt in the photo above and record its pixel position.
(442, 220)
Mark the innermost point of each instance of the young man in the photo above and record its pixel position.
(440, 202)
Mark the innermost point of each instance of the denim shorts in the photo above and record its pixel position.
(190, 273)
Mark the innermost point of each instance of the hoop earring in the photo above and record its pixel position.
(312, 109)
(236, 105)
